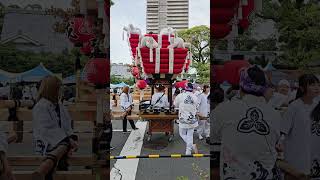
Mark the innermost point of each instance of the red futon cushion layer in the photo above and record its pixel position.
(163, 71)
(164, 61)
(166, 50)
(164, 56)
(162, 66)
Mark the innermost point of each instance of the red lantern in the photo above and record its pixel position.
(86, 49)
(222, 12)
(220, 30)
(181, 84)
(221, 15)
(97, 71)
(141, 84)
(135, 71)
(223, 3)
(232, 70)
(80, 30)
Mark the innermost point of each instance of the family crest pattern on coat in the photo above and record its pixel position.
(315, 128)
(259, 173)
(315, 169)
(188, 100)
(253, 122)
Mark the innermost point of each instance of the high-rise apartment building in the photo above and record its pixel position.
(167, 13)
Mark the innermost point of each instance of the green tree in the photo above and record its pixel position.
(116, 80)
(14, 60)
(203, 72)
(299, 30)
(199, 38)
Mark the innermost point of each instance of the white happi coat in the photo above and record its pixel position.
(46, 131)
(160, 101)
(248, 130)
(302, 149)
(203, 105)
(188, 105)
(125, 101)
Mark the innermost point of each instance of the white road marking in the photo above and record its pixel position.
(119, 130)
(126, 169)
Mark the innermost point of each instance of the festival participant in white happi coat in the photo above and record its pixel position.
(160, 99)
(283, 95)
(26, 93)
(5, 169)
(126, 104)
(300, 129)
(187, 103)
(197, 91)
(34, 91)
(248, 130)
(203, 112)
(51, 122)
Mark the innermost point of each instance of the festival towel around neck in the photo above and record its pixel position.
(248, 85)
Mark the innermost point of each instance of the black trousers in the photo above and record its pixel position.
(63, 165)
(124, 123)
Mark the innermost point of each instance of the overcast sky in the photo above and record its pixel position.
(125, 12)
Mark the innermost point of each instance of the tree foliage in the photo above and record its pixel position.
(203, 72)
(17, 61)
(199, 37)
(299, 30)
(116, 80)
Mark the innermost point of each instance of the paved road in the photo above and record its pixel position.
(158, 169)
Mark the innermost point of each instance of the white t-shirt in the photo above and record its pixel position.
(277, 100)
(248, 130)
(34, 92)
(125, 101)
(26, 93)
(45, 125)
(197, 93)
(203, 106)
(163, 102)
(300, 143)
(187, 103)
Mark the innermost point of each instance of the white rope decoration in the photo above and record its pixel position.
(171, 59)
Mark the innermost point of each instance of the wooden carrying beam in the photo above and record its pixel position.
(26, 114)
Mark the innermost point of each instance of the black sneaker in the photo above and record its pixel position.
(136, 128)
(112, 148)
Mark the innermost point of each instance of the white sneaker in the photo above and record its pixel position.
(200, 137)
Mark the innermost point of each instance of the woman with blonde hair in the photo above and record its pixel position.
(52, 122)
(126, 104)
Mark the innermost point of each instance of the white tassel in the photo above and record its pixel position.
(171, 60)
(157, 67)
(240, 10)
(141, 94)
(190, 59)
(160, 40)
(151, 54)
